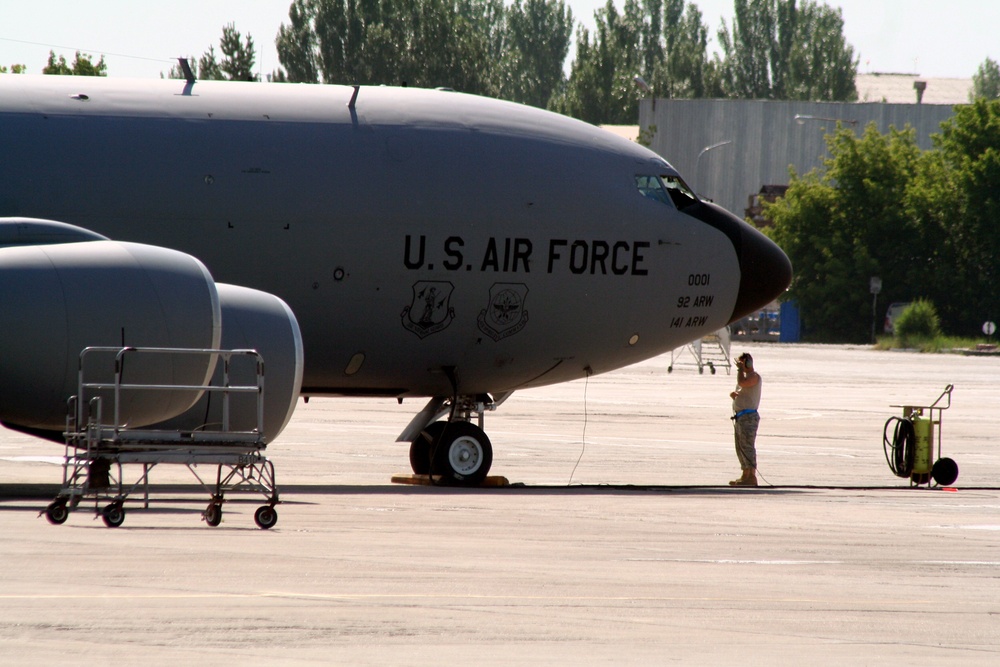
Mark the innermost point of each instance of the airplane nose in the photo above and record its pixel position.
(765, 272)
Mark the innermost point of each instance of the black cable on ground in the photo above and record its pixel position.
(901, 451)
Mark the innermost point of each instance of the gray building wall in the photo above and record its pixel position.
(766, 138)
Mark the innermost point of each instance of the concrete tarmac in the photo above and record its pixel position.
(620, 542)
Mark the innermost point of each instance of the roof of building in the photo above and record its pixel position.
(898, 89)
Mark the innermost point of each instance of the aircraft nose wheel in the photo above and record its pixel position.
(463, 455)
(421, 448)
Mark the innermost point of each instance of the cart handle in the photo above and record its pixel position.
(946, 392)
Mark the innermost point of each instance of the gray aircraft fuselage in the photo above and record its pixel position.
(411, 232)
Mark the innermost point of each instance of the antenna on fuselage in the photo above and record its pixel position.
(354, 97)
(186, 70)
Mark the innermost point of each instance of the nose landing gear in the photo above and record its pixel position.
(455, 452)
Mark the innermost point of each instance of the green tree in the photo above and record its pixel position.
(776, 49)
(848, 222)
(681, 72)
(14, 69)
(426, 43)
(746, 46)
(535, 37)
(967, 205)
(236, 64)
(663, 41)
(601, 86)
(83, 65)
(986, 81)
(585, 94)
(296, 45)
(821, 65)
(238, 55)
(208, 68)
(924, 221)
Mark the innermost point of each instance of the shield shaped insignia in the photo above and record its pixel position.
(505, 315)
(430, 310)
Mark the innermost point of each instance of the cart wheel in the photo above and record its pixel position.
(213, 514)
(265, 516)
(711, 367)
(113, 515)
(670, 369)
(57, 512)
(945, 471)
(701, 370)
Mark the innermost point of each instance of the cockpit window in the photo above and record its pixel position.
(652, 187)
(682, 195)
(667, 189)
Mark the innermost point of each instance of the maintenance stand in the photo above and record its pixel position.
(99, 452)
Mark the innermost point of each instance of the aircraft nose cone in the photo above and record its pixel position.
(765, 272)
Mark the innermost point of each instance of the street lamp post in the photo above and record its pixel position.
(697, 162)
(646, 90)
(801, 119)
(874, 286)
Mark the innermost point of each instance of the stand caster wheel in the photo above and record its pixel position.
(265, 516)
(213, 514)
(57, 513)
(113, 515)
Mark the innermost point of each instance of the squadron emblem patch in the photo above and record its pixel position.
(505, 315)
(430, 311)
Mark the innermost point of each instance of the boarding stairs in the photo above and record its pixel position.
(711, 350)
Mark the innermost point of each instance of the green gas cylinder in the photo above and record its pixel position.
(923, 449)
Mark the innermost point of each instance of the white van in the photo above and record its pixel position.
(894, 311)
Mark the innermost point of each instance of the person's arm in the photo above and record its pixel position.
(745, 379)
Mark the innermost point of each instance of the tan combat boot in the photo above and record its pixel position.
(749, 478)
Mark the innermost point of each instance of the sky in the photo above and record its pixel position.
(141, 38)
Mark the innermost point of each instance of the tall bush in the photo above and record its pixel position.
(918, 322)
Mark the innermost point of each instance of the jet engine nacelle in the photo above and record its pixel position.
(256, 320)
(58, 299)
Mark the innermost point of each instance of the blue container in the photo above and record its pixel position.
(791, 325)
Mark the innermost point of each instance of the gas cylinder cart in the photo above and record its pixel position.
(711, 350)
(915, 443)
(102, 446)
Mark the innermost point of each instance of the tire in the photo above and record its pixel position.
(463, 455)
(420, 449)
(265, 517)
(57, 513)
(113, 515)
(945, 471)
(213, 515)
